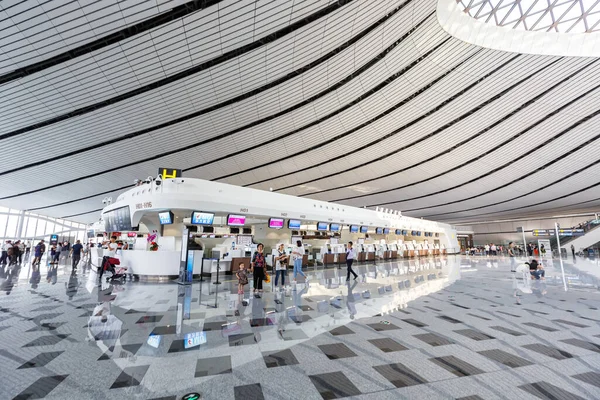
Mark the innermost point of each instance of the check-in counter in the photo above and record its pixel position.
(341, 258)
(328, 259)
(370, 256)
(394, 254)
(422, 252)
(361, 256)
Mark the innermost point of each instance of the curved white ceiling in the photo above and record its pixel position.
(361, 102)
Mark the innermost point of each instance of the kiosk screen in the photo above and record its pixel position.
(353, 228)
(379, 231)
(398, 232)
(386, 231)
(236, 220)
(294, 224)
(364, 229)
(335, 227)
(276, 223)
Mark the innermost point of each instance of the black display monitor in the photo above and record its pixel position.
(353, 228)
(276, 223)
(398, 232)
(202, 218)
(386, 231)
(364, 229)
(117, 220)
(90, 234)
(379, 231)
(165, 217)
(294, 224)
(404, 232)
(413, 233)
(234, 231)
(322, 226)
(335, 227)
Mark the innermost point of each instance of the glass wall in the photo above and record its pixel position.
(16, 224)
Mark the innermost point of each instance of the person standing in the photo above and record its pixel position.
(297, 255)
(493, 249)
(40, 249)
(5, 248)
(76, 251)
(350, 256)
(280, 265)
(111, 251)
(511, 254)
(487, 249)
(27, 250)
(21, 246)
(529, 249)
(572, 251)
(258, 269)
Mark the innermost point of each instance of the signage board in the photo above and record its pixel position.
(202, 218)
(170, 173)
(53, 239)
(236, 220)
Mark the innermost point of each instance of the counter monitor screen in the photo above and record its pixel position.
(404, 232)
(379, 231)
(165, 217)
(118, 219)
(234, 231)
(294, 224)
(131, 234)
(202, 218)
(353, 228)
(418, 233)
(386, 231)
(437, 235)
(364, 229)
(322, 226)
(276, 223)
(335, 227)
(90, 234)
(398, 232)
(413, 233)
(236, 220)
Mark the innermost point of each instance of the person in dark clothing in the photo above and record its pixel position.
(258, 269)
(573, 250)
(536, 270)
(73, 285)
(76, 252)
(40, 248)
(529, 249)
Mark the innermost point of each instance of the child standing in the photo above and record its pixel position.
(242, 276)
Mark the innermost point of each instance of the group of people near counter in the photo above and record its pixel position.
(259, 272)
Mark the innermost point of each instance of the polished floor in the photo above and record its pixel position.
(439, 328)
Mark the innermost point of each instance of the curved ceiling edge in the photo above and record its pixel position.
(466, 28)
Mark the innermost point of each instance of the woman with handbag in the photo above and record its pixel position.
(258, 269)
(280, 265)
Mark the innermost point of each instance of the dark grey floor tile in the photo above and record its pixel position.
(334, 385)
(460, 306)
(414, 322)
(336, 351)
(565, 322)
(41, 359)
(135, 311)
(507, 330)
(260, 322)
(583, 344)
(41, 388)
(165, 330)
(213, 326)
(474, 397)
(341, 330)
(178, 346)
(433, 309)
(479, 316)
(248, 392)
(449, 319)
(383, 326)
(536, 311)
(304, 307)
(50, 326)
(162, 302)
(593, 378)
(149, 319)
(294, 334)
(49, 340)
(547, 391)
(548, 351)
(130, 376)
(542, 327)
(165, 398)
(279, 358)
(300, 318)
(507, 313)
(399, 375)
(387, 345)
(505, 358)
(242, 339)
(456, 366)
(47, 308)
(473, 334)
(433, 339)
(213, 366)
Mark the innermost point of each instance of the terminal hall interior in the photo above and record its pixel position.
(300, 199)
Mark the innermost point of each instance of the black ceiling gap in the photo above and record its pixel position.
(130, 31)
(185, 73)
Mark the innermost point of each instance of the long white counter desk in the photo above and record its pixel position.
(161, 263)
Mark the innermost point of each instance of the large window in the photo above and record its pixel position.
(15, 224)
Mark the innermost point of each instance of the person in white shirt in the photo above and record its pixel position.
(111, 251)
(5, 248)
(487, 249)
(350, 256)
(297, 255)
(280, 265)
(493, 249)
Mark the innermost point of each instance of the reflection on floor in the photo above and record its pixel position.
(439, 328)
